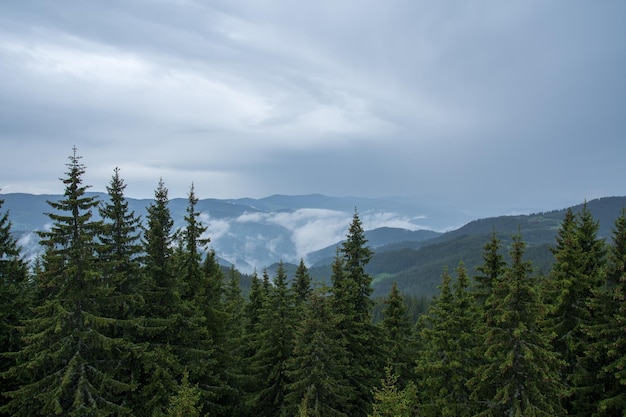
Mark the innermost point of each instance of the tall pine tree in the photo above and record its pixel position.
(73, 349)
(317, 369)
(351, 291)
(521, 373)
(15, 298)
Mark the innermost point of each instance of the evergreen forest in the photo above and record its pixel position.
(124, 316)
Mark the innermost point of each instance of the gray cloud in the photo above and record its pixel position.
(491, 105)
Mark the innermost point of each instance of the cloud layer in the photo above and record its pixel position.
(490, 105)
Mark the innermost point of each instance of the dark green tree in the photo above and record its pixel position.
(317, 369)
(446, 362)
(72, 353)
(490, 270)
(162, 293)
(351, 290)
(399, 341)
(302, 283)
(576, 274)
(274, 347)
(234, 343)
(521, 375)
(120, 250)
(605, 358)
(15, 298)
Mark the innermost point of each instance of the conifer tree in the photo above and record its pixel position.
(605, 355)
(186, 401)
(317, 369)
(120, 249)
(251, 330)
(160, 364)
(398, 334)
(521, 376)
(69, 363)
(351, 290)
(302, 283)
(576, 274)
(446, 362)
(15, 299)
(199, 320)
(390, 401)
(490, 270)
(234, 343)
(275, 344)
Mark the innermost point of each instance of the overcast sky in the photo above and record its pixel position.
(499, 105)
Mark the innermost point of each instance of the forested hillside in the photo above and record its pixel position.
(115, 318)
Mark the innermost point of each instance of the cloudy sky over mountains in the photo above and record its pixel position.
(485, 104)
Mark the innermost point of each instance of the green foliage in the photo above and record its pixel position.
(389, 401)
(446, 360)
(399, 341)
(317, 370)
(15, 300)
(351, 301)
(185, 402)
(73, 351)
(521, 373)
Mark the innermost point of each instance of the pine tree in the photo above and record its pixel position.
(521, 375)
(234, 343)
(491, 269)
(398, 333)
(302, 283)
(160, 364)
(604, 354)
(275, 344)
(389, 401)
(120, 249)
(15, 298)
(317, 369)
(186, 401)
(351, 290)
(250, 384)
(575, 275)
(199, 326)
(446, 362)
(72, 351)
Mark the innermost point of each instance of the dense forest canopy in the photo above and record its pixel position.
(128, 316)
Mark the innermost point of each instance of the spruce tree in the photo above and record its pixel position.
(301, 283)
(521, 375)
(490, 270)
(446, 362)
(250, 384)
(73, 350)
(160, 364)
(15, 299)
(199, 320)
(234, 343)
(399, 342)
(351, 290)
(274, 347)
(120, 249)
(576, 274)
(604, 356)
(390, 401)
(317, 369)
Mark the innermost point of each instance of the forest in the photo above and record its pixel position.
(124, 316)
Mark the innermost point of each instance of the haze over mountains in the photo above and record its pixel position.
(412, 242)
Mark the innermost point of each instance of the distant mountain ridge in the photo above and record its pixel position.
(255, 233)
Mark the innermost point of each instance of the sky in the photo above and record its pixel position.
(489, 105)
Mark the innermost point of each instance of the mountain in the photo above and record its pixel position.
(412, 244)
(254, 233)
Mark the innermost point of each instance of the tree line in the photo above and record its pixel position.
(121, 316)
